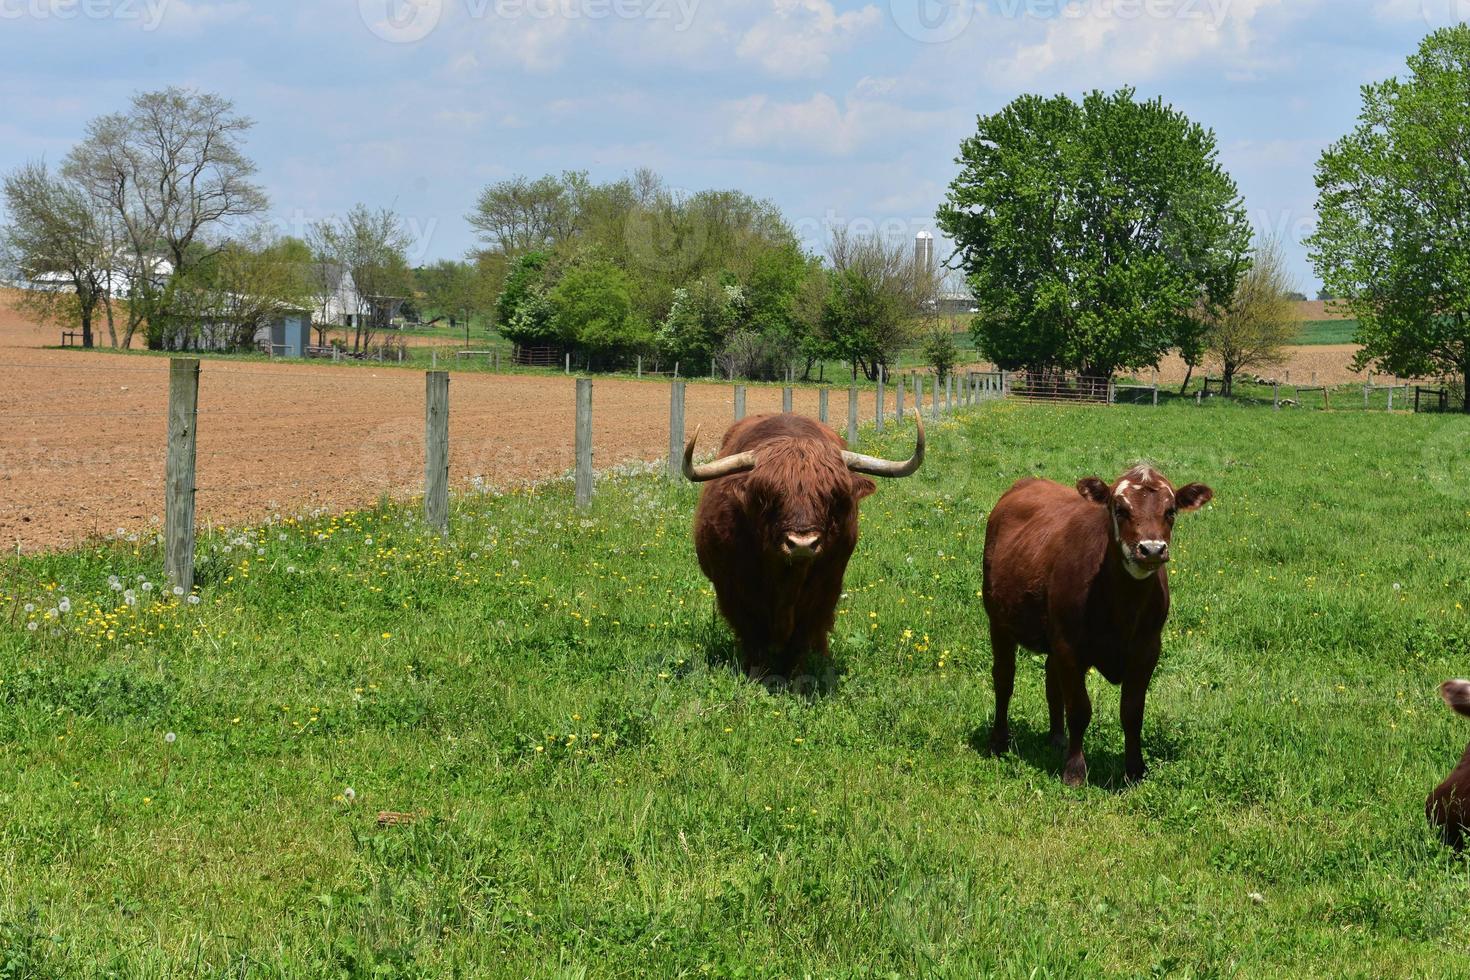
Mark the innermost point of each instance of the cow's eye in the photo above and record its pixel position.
(1169, 514)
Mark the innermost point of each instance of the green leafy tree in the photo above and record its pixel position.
(1091, 232)
(875, 298)
(63, 243)
(591, 306)
(522, 309)
(939, 349)
(1393, 196)
(700, 321)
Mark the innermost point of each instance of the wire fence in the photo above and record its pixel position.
(90, 447)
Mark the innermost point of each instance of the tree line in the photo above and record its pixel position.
(1096, 236)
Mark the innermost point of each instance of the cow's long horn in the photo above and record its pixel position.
(726, 465)
(873, 466)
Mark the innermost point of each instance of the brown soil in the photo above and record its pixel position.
(82, 449)
(1312, 310)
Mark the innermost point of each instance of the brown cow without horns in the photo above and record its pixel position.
(775, 527)
(1448, 807)
(1079, 575)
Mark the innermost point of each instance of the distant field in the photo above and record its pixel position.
(596, 794)
(1319, 332)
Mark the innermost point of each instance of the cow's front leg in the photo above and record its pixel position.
(1079, 715)
(1131, 712)
(1135, 691)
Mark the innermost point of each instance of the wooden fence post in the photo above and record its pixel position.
(949, 393)
(879, 399)
(898, 395)
(786, 399)
(1325, 403)
(852, 410)
(1390, 397)
(822, 404)
(436, 450)
(178, 502)
(934, 409)
(569, 363)
(1366, 389)
(1276, 395)
(584, 443)
(676, 429)
(640, 366)
(739, 402)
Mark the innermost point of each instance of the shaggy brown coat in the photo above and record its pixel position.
(779, 608)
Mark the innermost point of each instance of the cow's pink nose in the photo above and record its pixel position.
(803, 545)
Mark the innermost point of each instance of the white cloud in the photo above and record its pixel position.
(1091, 40)
(799, 37)
(823, 125)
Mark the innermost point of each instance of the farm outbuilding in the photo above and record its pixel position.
(289, 334)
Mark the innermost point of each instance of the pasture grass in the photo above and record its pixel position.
(598, 794)
(1318, 332)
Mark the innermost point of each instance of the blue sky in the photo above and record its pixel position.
(837, 111)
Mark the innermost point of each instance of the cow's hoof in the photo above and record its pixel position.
(1000, 741)
(1132, 776)
(1075, 774)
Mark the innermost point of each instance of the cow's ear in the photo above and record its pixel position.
(862, 487)
(1093, 489)
(1192, 497)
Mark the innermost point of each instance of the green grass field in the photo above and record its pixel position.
(1317, 332)
(599, 795)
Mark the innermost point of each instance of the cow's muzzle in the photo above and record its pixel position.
(801, 546)
(1151, 553)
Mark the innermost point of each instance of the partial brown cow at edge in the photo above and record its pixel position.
(1448, 807)
(1079, 575)
(776, 524)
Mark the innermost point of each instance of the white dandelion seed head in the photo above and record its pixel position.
(193, 600)
(64, 605)
(178, 590)
(32, 625)
(170, 738)
(147, 586)
(30, 607)
(349, 794)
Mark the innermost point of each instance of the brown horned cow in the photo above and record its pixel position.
(1448, 807)
(1079, 575)
(776, 524)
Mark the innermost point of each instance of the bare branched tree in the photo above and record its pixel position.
(172, 170)
(878, 300)
(372, 246)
